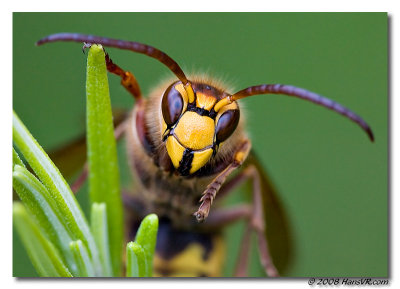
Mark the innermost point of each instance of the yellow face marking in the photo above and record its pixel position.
(175, 150)
(205, 101)
(220, 104)
(189, 91)
(195, 131)
(163, 125)
(179, 87)
(200, 158)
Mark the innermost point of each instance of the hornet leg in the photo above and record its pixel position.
(254, 215)
(211, 191)
(127, 79)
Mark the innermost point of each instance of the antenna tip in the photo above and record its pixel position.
(370, 135)
(40, 42)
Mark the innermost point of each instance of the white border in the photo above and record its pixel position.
(176, 6)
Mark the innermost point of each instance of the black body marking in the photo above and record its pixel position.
(186, 163)
(171, 242)
(201, 111)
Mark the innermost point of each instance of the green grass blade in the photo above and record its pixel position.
(146, 237)
(17, 160)
(104, 186)
(136, 263)
(41, 206)
(82, 259)
(99, 227)
(49, 175)
(44, 256)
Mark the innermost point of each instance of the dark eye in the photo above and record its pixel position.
(172, 105)
(227, 124)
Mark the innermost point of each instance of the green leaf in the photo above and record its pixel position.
(67, 206)
(104, 186)
(82, 259)
(100, 233)
(136, 263)
(146, 237)
(41, 206)
(44, 256)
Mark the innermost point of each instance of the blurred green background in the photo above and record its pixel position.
(332, 180)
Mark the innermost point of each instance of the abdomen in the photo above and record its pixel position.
(182, 253)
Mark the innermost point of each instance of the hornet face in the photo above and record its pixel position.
(194, 130)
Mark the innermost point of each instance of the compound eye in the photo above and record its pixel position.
(172, 105)
(227, 124)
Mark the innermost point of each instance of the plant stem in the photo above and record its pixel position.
(104, 186)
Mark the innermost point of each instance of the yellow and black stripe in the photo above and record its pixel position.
(188, 253)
